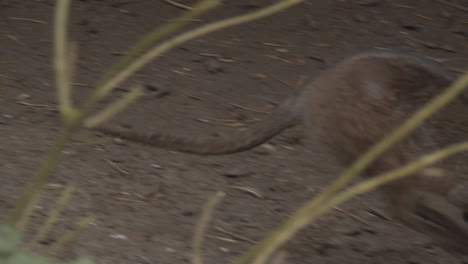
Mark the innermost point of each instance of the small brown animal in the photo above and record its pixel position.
(354, 105)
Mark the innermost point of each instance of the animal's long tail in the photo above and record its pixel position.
(285, 116)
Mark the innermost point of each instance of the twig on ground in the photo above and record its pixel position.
(179, 5)
(15, 39)
(281, 59)
(192, 96)
(218, 57)
(425, 17)
(35, 105)
(239, 237)
(285, 83)
(403, 6)
(225, 239)
(274, 44)
(351, 215)
(183, 73)
(28, 19)
(82, 84)
(116, 167)
(7, 77)
(249, 190)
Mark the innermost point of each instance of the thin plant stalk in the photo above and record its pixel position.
(53, 215)
(115, 108)
(202, 226)
(62, 67)
(19, 216)
(398, 173)
(70, 235)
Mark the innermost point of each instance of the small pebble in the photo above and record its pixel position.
(119, 236)
(213, 66)
(283, 50)
(170, 250)
(156, 166)
(223, 249)
(23, 96)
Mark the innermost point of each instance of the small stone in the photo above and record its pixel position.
(265, 149)
(225, 250)
(213, 66)
(170, 250)
(282, 50)
(268, 147)
(156, 166)
(23, 96)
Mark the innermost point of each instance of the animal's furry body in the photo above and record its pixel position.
(354, 105)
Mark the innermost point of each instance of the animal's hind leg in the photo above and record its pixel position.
(435, 216)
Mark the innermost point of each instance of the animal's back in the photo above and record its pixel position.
(364, 98)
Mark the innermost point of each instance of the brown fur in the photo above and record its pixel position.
(354, 105)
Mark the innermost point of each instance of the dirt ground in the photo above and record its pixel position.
(147, 200)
